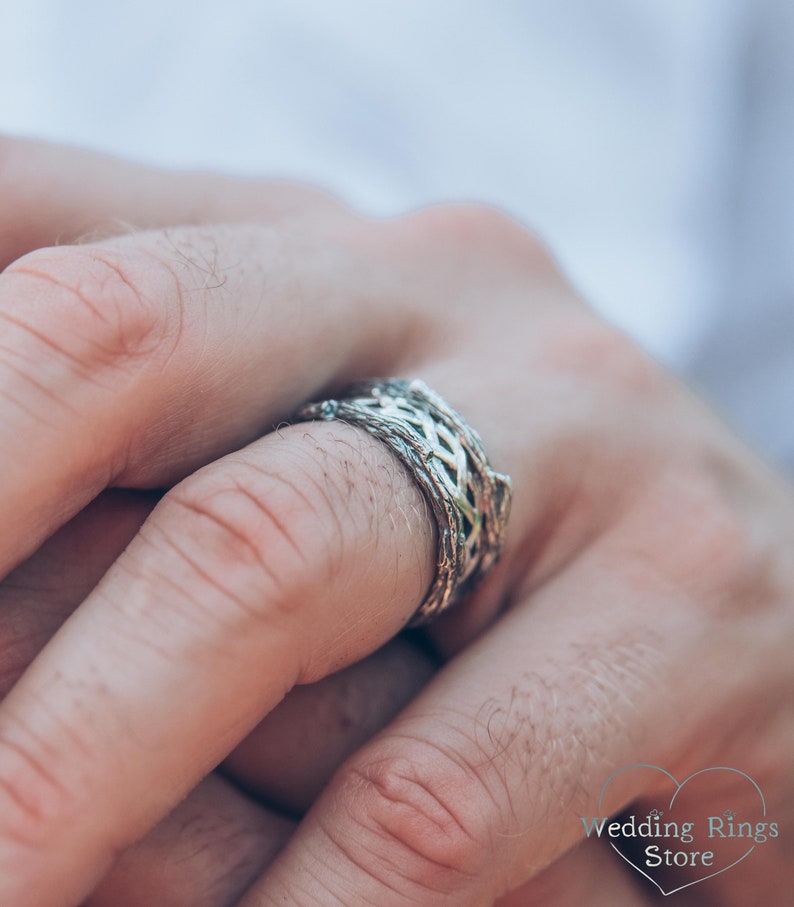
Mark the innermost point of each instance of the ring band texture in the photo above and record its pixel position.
(445, 456)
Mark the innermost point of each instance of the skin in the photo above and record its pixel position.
(646, 559)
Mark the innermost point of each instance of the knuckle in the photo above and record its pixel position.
(422, 815)
(725, 547)
(232, 528)
(477, 253)
(483, 232)
(33, 801)
(705, 539)
(578, 345)
(98, 311)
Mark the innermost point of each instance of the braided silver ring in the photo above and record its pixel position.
(445, 456)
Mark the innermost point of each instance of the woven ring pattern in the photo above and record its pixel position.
(469, 501)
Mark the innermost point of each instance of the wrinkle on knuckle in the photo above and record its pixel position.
(232, 529)
(33, 799)
(418, 816)
(103, 309)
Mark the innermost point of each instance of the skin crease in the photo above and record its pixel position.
(647, 558)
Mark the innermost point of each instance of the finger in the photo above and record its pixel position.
(204, 854)
(135, 361)
(41, 593)
(51, 195)
(481, 783)
(286, 561)
(291, 755)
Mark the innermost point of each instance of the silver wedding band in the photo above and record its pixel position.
(445, 456)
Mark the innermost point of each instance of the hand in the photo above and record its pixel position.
(644, 541)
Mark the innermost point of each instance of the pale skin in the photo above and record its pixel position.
(648, 557)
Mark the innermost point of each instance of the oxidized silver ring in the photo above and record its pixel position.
(445, 456)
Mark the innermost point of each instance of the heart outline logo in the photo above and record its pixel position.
(679, 786)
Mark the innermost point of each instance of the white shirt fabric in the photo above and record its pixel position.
(650, 143)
